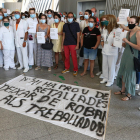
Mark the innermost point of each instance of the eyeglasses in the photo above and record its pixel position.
(70, 17)
(91, 21)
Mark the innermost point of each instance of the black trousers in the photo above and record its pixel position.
(99, 55)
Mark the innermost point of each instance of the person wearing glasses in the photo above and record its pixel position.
(7, 44)
(70, 43)
(21, 34)
(90, 40)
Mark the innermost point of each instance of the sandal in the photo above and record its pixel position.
(56, 66)
(83, 74)
(37, 68)
(128, 98)
(121, 93)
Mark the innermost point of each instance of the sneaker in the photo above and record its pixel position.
(65, 71)
(14, 68)
(6, 69)
(75, 73)
(49, 69)
(115, 78)
(99, 73)
(26, 70)
(108, 84)
(103, 81)
(137, 87)
(139, 93)
(101, 76)
(30, 67)
(19, 68)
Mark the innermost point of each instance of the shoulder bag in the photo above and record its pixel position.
(136, 60)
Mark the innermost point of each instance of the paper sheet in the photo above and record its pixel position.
(54, 33)
(124, 13)
(41, 37)
(32, 26)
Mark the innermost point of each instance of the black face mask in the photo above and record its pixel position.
(131, 26)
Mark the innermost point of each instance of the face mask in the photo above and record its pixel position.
(6, 24)
(106, 22)
(86, 16)
(91, 25)
(49, 15)
(102, 23)
(32, 15)
(43, 21)
(56, 20)
(1, 17)
(5, 14)
(23, 17)
(17, 16)
(70, 20)
(63, 15)
(131, 26)
(92, 14)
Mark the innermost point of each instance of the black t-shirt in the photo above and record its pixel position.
(90, 37)
(69, 39)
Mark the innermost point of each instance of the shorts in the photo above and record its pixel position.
(90, 54)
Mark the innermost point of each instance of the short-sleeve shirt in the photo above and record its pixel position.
(90, 37)
(69, 39)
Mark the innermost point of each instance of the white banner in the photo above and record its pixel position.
(77, 108)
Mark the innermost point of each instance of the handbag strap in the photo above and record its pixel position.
(71, 32)
(129, 45)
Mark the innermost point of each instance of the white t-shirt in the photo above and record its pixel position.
(83, 24)
(108, 49)
(50, 21)
(7, 38)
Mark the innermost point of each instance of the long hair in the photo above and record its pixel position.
(112, 23)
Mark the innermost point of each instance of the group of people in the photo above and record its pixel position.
(87, 37)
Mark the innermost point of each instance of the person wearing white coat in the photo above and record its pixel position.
(1, 52)
(110, 52)
(32, 43)
(7, 40)
(21, 34)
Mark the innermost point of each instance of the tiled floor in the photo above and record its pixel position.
(123, 121)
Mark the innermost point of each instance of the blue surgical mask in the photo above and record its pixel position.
(17, 16)
(32, 15)
(5, 14)
(56, 20)
(63, 15)
(90, 24)
(86, 16)
(70, 20)
(92, 14)
(43, 21)
(1, 17)
(23, 17)
(49, 15)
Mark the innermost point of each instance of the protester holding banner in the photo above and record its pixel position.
(44, 56)
(109, 51)
(90, 40)
(57, 43)
(126, 78)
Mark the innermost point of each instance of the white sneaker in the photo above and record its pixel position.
(139, 93)
(137, 87)
(99, 73)
(6, 69)
(19, 68)
(14, 68)
(26, 70)
(103, 81)
(108, 84)
(115, 78)
(101, 76)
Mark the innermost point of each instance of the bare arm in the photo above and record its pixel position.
(135, 46)
(124, 27)
(48, 33)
